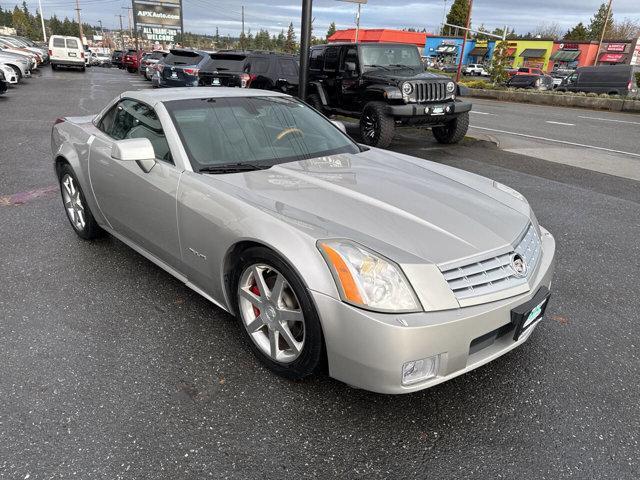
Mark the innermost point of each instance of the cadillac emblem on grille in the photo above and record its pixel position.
(519, 265)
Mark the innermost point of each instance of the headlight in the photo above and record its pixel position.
(407, 88)
(366, 279)
(510, 191)
(451, 87)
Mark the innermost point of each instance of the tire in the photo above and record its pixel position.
(83, 69)
(54, 66)
(89, 230)
(316, 102)
(453, 131)
(131, 70)
(18, 72)
(267, 341)
(377, 127)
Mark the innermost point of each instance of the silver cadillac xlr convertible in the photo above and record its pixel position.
(392, 272)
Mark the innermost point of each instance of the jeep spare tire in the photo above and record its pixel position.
(452, 131)
(377, 126)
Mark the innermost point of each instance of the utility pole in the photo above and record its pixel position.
(464, 41)
(358, 21)
(305, 43)
(243, 20)
(121, 37)
(44, 33)
(129, 18)
(604, 29)
(79, 22)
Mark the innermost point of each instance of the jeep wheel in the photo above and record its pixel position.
(377, 127)
(453, 131)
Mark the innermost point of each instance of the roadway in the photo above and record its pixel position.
(602, 141)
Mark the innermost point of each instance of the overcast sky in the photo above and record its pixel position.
(203, 16)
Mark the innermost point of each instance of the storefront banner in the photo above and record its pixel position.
(569, 46)
(635, 58)
(616, 47)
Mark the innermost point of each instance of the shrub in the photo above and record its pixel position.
(592, 94)
(604, 95)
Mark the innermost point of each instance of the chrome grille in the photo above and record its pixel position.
(495, 273)
(430, 91)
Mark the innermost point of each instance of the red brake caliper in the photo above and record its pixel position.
(255, 291)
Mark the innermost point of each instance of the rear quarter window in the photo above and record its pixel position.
(182, 59)
(259, 65)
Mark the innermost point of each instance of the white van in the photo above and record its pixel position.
(66, 52)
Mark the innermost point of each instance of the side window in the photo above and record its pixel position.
(316, 60)
(131, 119)
(331, 59)
(350, 56)
(287, 67)
(58, 42)
(259, 66)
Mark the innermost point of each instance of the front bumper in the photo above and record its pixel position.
(367, 349)
(419, 110)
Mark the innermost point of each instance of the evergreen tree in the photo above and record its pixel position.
(457, 16)
(280, 41)
(20, 21)
(332, 29)
(290, 41)
(598, 22)
(579, 32)
(499, 62)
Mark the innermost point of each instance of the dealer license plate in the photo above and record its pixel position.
(216, 82)
(437, 111)
(527, 314)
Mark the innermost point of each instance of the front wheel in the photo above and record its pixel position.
(75, 205)
(277, 315)
(453, 131)
(377, 127)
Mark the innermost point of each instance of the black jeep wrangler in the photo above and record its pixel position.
(385, 85)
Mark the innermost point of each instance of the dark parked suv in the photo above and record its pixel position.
(385, 85)
(611, 79)
(116, 59)
(263, 70)
(180, 68)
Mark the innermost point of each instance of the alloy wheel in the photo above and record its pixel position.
(370, 125)
(271, 313)
(73, 202)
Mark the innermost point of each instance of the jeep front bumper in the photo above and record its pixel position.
(430, 112)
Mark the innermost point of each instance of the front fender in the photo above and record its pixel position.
(383, 92)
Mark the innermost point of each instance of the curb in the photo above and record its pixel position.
(594, 103)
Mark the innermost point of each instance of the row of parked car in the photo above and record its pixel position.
(198, 68)
(19, 57)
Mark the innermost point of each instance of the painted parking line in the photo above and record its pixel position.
(553, 140)
(609, 120)
(561, 123)
(481, 113)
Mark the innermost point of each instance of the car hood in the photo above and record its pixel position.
(398, 76)
(403, 207)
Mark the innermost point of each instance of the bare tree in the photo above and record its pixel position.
(624, 29)
(548, 30)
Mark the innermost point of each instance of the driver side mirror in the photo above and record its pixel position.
(341, 126)
(139, 150)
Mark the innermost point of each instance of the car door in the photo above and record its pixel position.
(58, 48)
(287, 69)
(331, 60)
(348, 79)
(138, 203)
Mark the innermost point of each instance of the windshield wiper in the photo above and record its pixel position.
(233, 168)
(398, 65)
(378, 66)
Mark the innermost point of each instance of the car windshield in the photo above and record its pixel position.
(262, 131)
(390, 56)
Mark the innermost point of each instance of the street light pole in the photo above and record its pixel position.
(464, 41)
(44, 32)
(358, 21)
(305, 43)
(604, 29)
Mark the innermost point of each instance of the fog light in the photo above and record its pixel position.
(420, 370)
(427, 110)
(448, 109)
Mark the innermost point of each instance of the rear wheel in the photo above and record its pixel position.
(453, 131)
(377, 127)
(76, 207)
(277, 315)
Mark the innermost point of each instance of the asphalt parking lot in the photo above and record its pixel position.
(110, 368)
